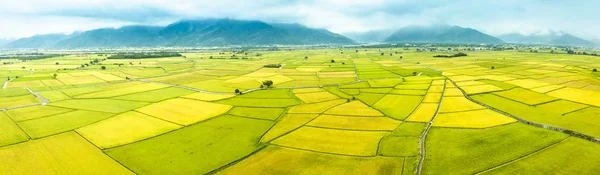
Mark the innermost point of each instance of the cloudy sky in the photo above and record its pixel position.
(22, 18)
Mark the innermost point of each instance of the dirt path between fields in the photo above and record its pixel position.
(426, 132)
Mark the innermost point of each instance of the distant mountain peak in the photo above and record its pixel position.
(547, 37)
(440, 34)
(199, 32)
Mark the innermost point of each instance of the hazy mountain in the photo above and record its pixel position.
(310, 35)
(38, 41)
(440, 34)
(550, 38)
(128, 36)
(373, 36)
(208, 32)
(4, 41)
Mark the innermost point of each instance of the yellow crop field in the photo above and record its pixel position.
(67, 79)
(423, 113)
(208, 97)
(184, 111)
(280, 160)
(315, 97)
(34, 112)
(355, 123)
(310, 68)
(358, 143)
(458, 78)
(307, 90)
(548, 88)
(349, 74)
(52, 82)
(7, 102)
(355, 108)
(54, 95)
(66, 153)
(436, 88)
(123, 91)
(469, 83)
(528, 83)
(288, 123)
(316, 107)
(562, 106)
(11, 133)
(125, 128)
(497, 77)
(105, 76)
(437, 82)
(455, 104)
(25, 84)
(477, 89)
(387, 108)
(453, 92)
(385, 82)
(472, 119)
(578, 95)
(432, 97)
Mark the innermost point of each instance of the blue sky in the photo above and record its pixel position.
(22, 18)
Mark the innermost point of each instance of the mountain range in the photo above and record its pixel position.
(549, 38)
(226, 32)
(441, 34)
(208, 32)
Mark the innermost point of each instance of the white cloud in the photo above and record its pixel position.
(29, 17)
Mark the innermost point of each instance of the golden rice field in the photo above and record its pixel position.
(365, 113)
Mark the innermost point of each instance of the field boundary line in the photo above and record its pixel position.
(426, 132)
(524, 156)
(99, 149)
(554, 128)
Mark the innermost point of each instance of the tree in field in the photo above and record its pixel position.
(55, 75)
(237, 91)
(305, 57)
(414, 73)
(356, 50)
(492, 67)
(594, 70)
(267, 83)
(381, 54)
(343, 63)
(103, 67)
(23, 67)
(332, 61)
(56, 63)
(342, 52)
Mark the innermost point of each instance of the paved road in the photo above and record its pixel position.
(44, 100)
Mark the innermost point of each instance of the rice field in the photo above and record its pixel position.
(367, 115)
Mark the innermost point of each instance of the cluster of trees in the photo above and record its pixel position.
(95, 61)
(266, 84)
(5, 63)
(144, 55)
(459, 54)
(272, 66)
(31, 56)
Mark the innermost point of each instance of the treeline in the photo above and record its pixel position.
(459, 54)
(144, 55)
(31, 56)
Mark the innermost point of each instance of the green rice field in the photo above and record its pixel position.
(491, 112)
